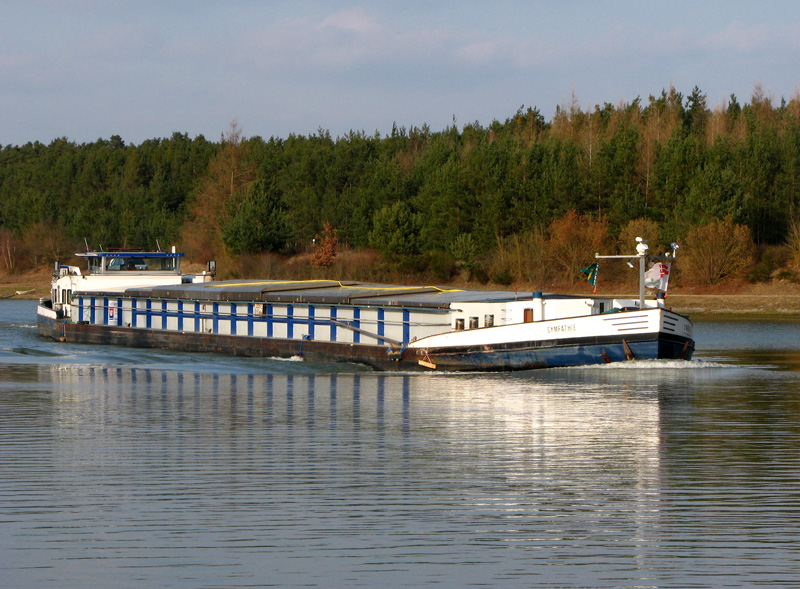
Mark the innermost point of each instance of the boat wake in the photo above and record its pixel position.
(647, 365)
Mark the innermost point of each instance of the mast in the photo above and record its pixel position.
(643, 255)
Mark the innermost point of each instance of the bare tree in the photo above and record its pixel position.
(227, 180)
(8, 251)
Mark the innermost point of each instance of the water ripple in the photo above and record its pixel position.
(132, 468)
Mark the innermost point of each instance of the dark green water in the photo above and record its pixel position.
(132, 468)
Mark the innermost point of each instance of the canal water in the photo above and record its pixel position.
(130, 468)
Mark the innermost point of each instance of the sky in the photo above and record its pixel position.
(90, 69)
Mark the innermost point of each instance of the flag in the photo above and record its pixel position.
(657, 276)
(591, 275)
(664, 277)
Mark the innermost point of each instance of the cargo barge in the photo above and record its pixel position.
(142, 299)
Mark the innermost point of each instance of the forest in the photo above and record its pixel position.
(518, 201)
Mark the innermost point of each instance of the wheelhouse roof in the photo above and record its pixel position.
(129, 254)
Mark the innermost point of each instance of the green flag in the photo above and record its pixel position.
(591, 275)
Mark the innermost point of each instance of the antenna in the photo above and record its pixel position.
(158, 245)
(87, 244)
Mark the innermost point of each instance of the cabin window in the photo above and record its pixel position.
(488, 320)
(528, 316)
(460, 324)
(473, 323)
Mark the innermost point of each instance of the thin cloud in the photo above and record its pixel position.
(356, 20)
(742, 38)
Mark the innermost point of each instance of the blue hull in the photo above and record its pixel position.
(572, 353)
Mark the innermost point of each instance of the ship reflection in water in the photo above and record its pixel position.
(646, 474)
(468, 415)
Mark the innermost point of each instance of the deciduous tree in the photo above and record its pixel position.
(716, 251)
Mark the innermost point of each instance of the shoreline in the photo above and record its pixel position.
(779, 299)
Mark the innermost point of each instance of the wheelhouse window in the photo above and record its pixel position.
(162, 264)
(128, 263)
